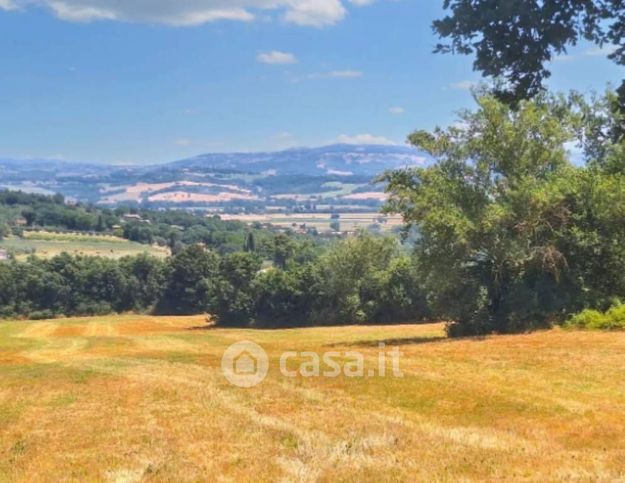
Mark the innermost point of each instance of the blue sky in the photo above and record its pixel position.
(141, 81)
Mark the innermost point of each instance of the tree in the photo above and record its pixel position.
(400, 295)
(29, 215)
(278, 299)
(233, 303)
(7, 290)
(496, 215)
(283, 250)
(351, 271)
(250, 243)
(514, 40)
(191, 279)
(146, 279)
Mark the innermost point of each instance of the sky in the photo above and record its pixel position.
(149, 81)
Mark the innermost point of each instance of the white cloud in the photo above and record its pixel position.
(284, 140)
(7, 5)
(184, 143)
(396, 110)
(276, 57)
(600, 51)
(80, 13)
(344, 74)
(590, 52)
(464, 85)
(364, 139)
(315, 13)
(564, 58)
(337, 74)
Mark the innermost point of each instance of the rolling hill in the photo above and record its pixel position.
(331, 175)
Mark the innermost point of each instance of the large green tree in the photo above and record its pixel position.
(191, 278)
(511, 235)
(515, 39)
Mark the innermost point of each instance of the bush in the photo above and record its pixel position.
(613, 319)
(616, 318)
(42, 315)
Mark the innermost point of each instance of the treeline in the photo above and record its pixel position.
(174, 229)
(70, 285)
(509, 235)
(33, 210)
(359, 280)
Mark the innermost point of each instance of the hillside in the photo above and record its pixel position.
(309, 178)
(337, 159)
(135, 398)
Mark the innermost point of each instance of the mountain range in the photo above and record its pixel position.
(338, 175)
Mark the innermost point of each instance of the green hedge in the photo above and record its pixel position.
(613, 319)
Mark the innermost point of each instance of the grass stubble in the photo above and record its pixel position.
(137, 398)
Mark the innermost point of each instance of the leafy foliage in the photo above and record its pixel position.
(514, 40)
(175, 229)
(613, 319)
(511, 234)
(359, 280)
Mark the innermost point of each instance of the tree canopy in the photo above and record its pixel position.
(514, 40)
(511, 234)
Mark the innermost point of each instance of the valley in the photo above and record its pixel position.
(320, 180)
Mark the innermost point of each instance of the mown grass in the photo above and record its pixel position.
(48, 245)
(135, 398)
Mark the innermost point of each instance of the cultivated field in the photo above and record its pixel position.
(322, 221)
(47, 245)
(139, 398)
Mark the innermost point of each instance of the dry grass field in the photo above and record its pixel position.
(47, 245)
(137, 398)
(322, 221)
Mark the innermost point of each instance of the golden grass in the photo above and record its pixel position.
(71, 237)
(50, 245)
(136, 398)
(139, 190)
(321, 221)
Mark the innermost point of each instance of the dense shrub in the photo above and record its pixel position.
(364, 279)
(613, 319)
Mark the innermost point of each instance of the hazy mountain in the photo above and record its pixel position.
(335, 159)
(331, 174)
